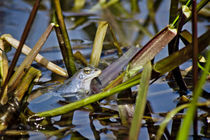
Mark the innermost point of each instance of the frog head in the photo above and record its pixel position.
(86, 75)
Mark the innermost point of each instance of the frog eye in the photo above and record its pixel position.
(87, 70)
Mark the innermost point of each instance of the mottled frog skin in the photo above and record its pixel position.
(79, 84)
(73, 89)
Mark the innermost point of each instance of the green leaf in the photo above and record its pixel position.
(185, 127)
(141, 100)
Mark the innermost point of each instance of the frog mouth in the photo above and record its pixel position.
(98, 80)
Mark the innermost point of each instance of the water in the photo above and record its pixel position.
(86, 123)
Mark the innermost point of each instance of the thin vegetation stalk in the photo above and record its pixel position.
(109, 3)
(59, 37)
(160, 67)
(134, 6)
(98, 43)
(200, 5)
(173, 45)
(151, 8)
(53, 14)
(178, 16)
(118, 7)
(157, 4)
(71, 68)
(141, 100)
(119, 79)
(31, 76)
(116, 25)
(203, 69)
(195, 61)
(179, 57)
(169, 63)
(114, 82)
(116, 43)
(185, 127)
(170, 116)
(62, 45)
(186, 37)
(194, 44)
(22, 41)
(39, 58)
(78, 104)
(3, 70)
(13, 107)
(78, 56)
(25, 65)
(3, 62)
(173, 10)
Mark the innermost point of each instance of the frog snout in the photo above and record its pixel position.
(98, 71)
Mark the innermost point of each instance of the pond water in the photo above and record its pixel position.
(86, 123)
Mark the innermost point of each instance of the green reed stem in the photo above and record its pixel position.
(71, 68)
(185, 127)
(78, 104)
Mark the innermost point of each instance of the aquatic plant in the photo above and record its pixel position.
(134, 66)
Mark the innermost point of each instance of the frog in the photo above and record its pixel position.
(75, 88)
(78, 86)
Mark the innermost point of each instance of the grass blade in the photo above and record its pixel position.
(141, 100)
(173, 46)
(39, 58)
(170, 116)
(134, 6)
(195, 60)
(3, 63)
(91, 99)
(185, 127)
(71, 68)
(98, 43)
(25, 65)
(22, 41)
(3, 71)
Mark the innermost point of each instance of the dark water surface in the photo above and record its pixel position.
(84, 123)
